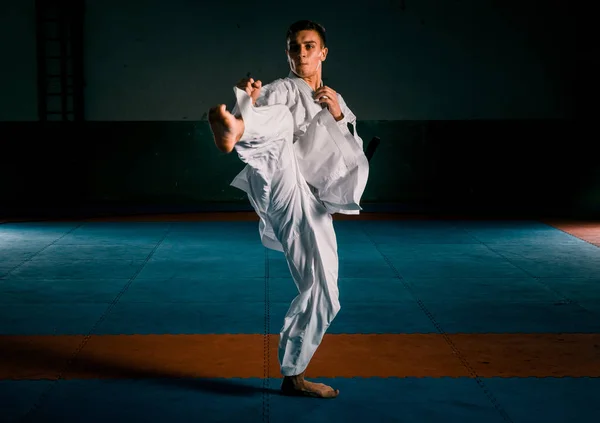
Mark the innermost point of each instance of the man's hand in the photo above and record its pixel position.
(251, 87)
(328, 97)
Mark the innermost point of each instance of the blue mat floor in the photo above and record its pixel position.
(396, 277)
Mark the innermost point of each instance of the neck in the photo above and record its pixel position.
(313, 81)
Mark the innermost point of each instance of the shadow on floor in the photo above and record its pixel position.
(23, 359)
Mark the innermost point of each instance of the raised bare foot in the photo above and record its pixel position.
(298, 386)
(226, 128)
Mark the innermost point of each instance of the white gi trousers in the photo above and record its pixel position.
(294, 221)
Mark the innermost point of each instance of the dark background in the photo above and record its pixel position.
(481, 106)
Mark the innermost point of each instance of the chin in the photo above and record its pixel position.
(302, 73)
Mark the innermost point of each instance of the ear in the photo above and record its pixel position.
(324, 54)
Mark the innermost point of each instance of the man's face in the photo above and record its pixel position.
(305, 53)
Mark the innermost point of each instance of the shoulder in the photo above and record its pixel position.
(280, 85)
(279, 91)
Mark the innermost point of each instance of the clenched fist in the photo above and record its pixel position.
(251, 87)
(327, 97)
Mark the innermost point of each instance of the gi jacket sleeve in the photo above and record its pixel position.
(331, 160)
(263, 126)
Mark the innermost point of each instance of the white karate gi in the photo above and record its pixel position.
(302, 166)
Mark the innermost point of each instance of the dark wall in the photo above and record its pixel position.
(542, 168)
(476, 103)
(156, 60)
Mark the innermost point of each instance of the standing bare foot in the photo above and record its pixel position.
(226, 128)
(298, 386)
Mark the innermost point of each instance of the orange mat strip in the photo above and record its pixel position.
(586, 230)
(242, 356)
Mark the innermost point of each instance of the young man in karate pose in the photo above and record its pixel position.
(304, 162)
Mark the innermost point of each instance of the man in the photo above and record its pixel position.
(303, 163)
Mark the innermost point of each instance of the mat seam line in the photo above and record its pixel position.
(44, 395)
(570, 234)
(37, 253)
(266, 347)
(564, 298)
(446, 337)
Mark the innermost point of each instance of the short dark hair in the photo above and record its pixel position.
(306, 25)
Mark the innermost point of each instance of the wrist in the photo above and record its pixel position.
(338, 118)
